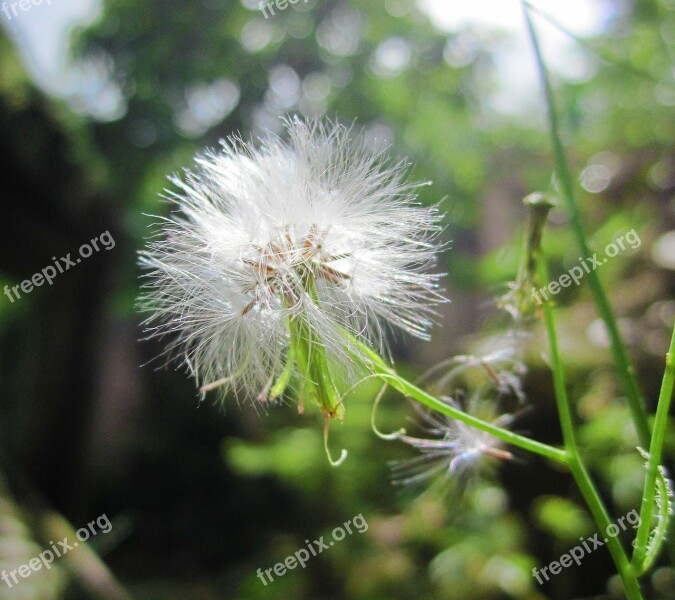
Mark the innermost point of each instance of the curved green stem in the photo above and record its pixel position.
(391, 377)
(626, 372)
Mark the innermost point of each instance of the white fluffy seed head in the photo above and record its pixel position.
(316, 228)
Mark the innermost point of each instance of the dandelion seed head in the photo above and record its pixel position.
(317, 229)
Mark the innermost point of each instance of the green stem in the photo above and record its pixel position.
(391, 377)
(627, 377)
(595, 505)
(576, 465)
(655, 452)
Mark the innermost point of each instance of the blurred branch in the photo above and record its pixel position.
(47, 525)
(605, 56)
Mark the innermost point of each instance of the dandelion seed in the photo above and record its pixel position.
(277, 250)
(455, 450)
(502, 368)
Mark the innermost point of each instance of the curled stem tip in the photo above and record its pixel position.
(343, 452)
(383, 436)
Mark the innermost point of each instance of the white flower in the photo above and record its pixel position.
(278, 250)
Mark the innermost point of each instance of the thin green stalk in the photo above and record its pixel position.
(412, 391)
(628, 576)
(391, 377)
(576, 464)
(655, 453)
(626, 372)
